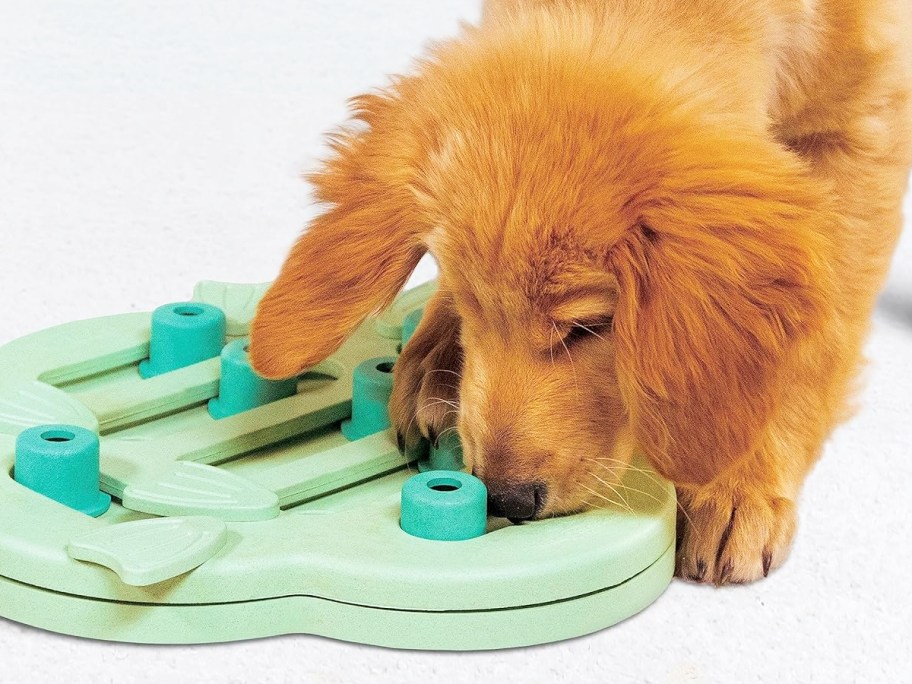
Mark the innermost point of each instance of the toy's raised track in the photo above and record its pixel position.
(279, 524)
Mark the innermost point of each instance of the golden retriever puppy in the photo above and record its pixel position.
(660, 226)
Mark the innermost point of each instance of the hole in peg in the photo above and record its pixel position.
(61, 462)
(372, 384)
(241, 388)
(444, 506)
(183, 333)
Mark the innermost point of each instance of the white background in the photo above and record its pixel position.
(144, 146)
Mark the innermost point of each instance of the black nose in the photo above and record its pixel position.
(516, 501)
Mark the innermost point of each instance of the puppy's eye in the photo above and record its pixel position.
(577, 332)
(592, 329)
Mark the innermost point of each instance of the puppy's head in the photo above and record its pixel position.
(632, 267)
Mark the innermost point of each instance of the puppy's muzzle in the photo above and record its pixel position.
(516, 501)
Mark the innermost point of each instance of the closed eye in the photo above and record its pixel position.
(578, 331)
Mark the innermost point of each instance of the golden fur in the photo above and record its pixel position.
(660, 225)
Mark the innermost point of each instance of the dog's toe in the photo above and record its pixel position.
(424, 402)
(733, 537)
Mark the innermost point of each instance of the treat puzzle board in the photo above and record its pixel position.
(228, 523)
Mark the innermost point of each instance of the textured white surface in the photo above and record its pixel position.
(144, 146)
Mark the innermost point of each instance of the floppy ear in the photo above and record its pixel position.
(354, 258)
(718, 288)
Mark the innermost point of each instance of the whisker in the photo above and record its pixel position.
(613, 489)
(572, 365)
(408, 427)
(648, 473)
(419, 409)
(640, 491)
(551, 342)
(452, 387)
(599, 495)
(590, 330)
(433, 401)
(445, 370)
(627, 464)
(657, 499)
(446, 430)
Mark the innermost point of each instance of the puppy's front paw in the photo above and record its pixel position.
(424, 402)
(732, 534)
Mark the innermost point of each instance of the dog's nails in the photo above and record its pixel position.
(727, 569)
(432, 436)
(767, 562)
(400, 442)
(699, 575)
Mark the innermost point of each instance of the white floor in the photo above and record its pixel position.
(144, 146)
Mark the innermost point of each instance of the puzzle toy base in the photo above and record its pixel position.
(271, 520)
(441, 630)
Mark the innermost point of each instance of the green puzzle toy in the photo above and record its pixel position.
(160, 491)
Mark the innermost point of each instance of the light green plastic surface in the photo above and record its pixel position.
(198, 489)
(334, 560)
(442, 631)
(144, 552)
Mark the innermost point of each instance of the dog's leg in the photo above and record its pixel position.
(740, 526)
(427, 374)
